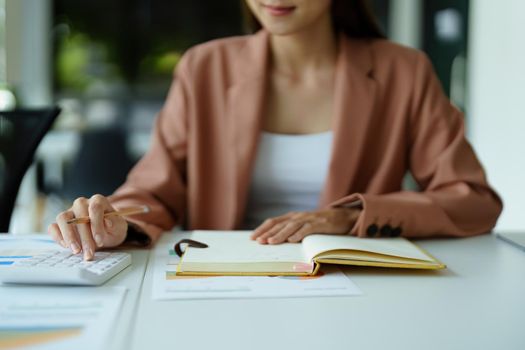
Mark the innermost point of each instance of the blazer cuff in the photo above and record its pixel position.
(377, 218)
(136, 236)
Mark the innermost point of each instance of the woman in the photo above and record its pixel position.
(311, 123)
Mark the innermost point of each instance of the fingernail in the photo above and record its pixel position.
(75, 248)
(63, 243)
(108, 223)
(98, 240)
(88, 254)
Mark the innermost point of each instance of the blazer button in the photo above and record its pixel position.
(396, 232)
(386, 230)
(371, 231)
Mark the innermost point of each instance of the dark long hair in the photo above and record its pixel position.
(355, 18)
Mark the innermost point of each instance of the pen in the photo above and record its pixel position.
(123, 212)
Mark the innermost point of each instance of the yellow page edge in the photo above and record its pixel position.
(438, 266)
(427, 266)
(178, 272)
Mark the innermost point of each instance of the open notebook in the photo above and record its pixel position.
(234, 253)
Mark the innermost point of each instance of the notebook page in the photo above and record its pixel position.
(315, 244)
(237, 247)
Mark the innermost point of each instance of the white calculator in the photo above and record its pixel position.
(61, 267)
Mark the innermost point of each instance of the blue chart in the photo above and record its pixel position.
(16, 249)
(11, 256)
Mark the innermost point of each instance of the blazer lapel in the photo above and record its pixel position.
(245, 107)
(355, 93)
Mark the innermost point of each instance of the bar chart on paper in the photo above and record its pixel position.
(20, 337)
(57, 318)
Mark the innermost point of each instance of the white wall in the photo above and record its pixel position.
(28, 44)
(497, 100)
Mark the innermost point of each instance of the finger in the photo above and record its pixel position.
(69, 232)
(301, 215)
(116, 227)
(263, 239)
(266, 225)
(80, 209)
(295, 216)
(55, 233)
(305, 230)
(98, 206)
(288, 230)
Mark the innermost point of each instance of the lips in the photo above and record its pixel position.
(279, 10)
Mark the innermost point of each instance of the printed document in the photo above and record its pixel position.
(167, 286)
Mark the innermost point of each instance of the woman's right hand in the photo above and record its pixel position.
(86, 238)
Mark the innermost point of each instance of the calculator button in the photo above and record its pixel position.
(62, 265)
(67, 266)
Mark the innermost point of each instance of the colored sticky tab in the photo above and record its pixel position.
(303, 267)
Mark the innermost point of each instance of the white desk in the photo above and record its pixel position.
(132, 279)
(477, 303)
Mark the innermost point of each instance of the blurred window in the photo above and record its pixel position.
(112, 67)
(128, 48)
(3, 67)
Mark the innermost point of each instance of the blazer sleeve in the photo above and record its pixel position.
(455, 198)
(159, 178)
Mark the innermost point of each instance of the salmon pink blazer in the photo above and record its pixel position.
(391, 117)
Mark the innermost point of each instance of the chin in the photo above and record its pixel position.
(288, 28)
(287, 17)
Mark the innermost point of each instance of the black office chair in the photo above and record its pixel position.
(101, 165)
(20, 133)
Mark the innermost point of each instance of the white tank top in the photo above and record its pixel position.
(289, 174)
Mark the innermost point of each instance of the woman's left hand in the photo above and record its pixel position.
(294, 226)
